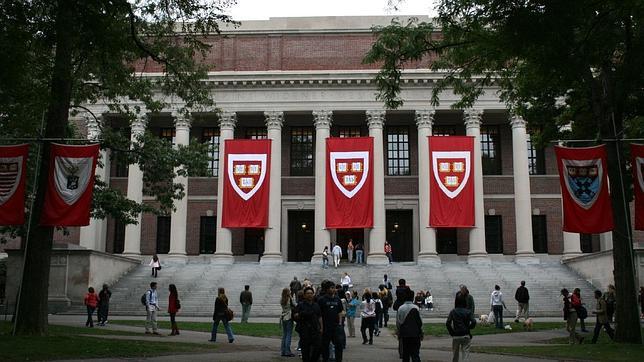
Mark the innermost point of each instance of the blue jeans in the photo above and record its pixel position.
(229, 331)
(287, 331)
(498, 315)
(325, 262)
(359, 256)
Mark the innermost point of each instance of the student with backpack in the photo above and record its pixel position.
(151, 303)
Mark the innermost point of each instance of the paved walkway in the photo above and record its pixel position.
(246, 348)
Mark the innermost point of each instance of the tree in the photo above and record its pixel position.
(58, 55)
(557, 63)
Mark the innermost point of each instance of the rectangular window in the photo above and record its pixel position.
(491, 150)
(256, 133)
(589, 243)
(398, 151)
(539, 234)
(163, 234)
(349, 131)
(168, 134)
(207, 234)
(210, 136)
(443, 131)
(536, 159)
(493, 234)
(302, 151)
(119, 237)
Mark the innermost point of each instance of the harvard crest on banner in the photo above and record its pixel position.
(349, 182)
(246, 183)
(584, 189)
(451, 188)
(637, 162)
(71, 184)
(13, 166)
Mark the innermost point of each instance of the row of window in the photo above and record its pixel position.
(397, 143)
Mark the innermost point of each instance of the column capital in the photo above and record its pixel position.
(93, 126)
(425, 118)
(181, 121)
(517, 121)
(139, 123)
(375, 118)
(473, 117)
(227, 120)
(274, 119)
(322, 119)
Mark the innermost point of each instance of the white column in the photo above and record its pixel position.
(606, 241)
(522, 199)
(477, 252)
(223, 253)
(322, 122)
(572, 245)
(135, 191)
(427, 253)
(93, 236)
(378, 234)
(179, 217)
(272, 235)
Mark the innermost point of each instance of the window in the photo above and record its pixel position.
(302, 151)
(539, 234)
(589, 243)
(398, 151)
(163, 234)
(207, 234)
(443, 131)
(210, 136)
(168, 134)
(349, 131)
(491, 150)
(493, 234)
(256, 133)
(119, 237)
(536, 159)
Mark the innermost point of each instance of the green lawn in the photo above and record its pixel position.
(245, 329)
(439, 329)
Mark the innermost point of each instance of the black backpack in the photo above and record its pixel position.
(144, 299)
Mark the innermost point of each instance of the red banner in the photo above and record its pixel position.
(246, 184)
(583, 175)
(349, 182)
(637, 162)
(451, 186)
(13, 171)
(71, 184)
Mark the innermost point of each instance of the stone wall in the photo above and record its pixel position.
(597, 268)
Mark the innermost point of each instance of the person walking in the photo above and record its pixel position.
(325, 257)
(386, 282)
(378, 323)
(459, 324)
(221, 314)
(469, 299)
(611, 302)
(309, 326)
(286, 321)
(246, 301)
(359, 253)
(90, 301)
(173, 308)
(151, 308)
(368, 316)
(497, 304)
(582, 312)
(389, 252)
(155, 263)
(522, 296)
(103, 305)
(409, 328)
(350, 248)
(601, 313)
(337, 254)
(331, 311)
(387, 300)
(352, 308)
(295, 287)
(345, 281)
(570, 316)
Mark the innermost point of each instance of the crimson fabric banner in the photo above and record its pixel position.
(246, 184)
(13, 170)
(349, 182)
(583, 175)
(451, 185)
(71, 185)
(637, 162)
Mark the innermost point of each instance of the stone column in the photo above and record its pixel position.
(477, 233)
(179, 217)
(427, 253)
(93, 236)
(135, 191)
(522, 199)
(272, 235)
(378, 234)
(606, 241)
(224, 253)
(322, 121)
(572, 245)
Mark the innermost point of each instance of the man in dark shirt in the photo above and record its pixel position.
(246, 300)
(523, 298)
(459, 323)
(331, 308)
(309, 325)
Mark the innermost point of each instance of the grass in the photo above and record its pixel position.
(66, 343)
(245, 329)
(439, 329)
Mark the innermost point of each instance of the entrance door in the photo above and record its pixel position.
(253, 241)
(343, 235)
(300, 235)
(493, 234)
(163, 234)
(446, 240)
(399, 234)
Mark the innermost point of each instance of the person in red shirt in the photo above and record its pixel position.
(91, 300)
(173, 307)
(388, 252)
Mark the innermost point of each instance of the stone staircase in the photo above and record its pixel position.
(197, 282)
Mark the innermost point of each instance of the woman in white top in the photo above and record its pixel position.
(346, 282)
(155, 264)
(368, 316)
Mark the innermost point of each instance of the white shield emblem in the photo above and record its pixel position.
(639, 163)
(10, 173)
(246, 173)
(349, 171)
(71, 177)
(583, 179)
(451, 171)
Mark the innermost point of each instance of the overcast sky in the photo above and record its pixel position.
(264, 9)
